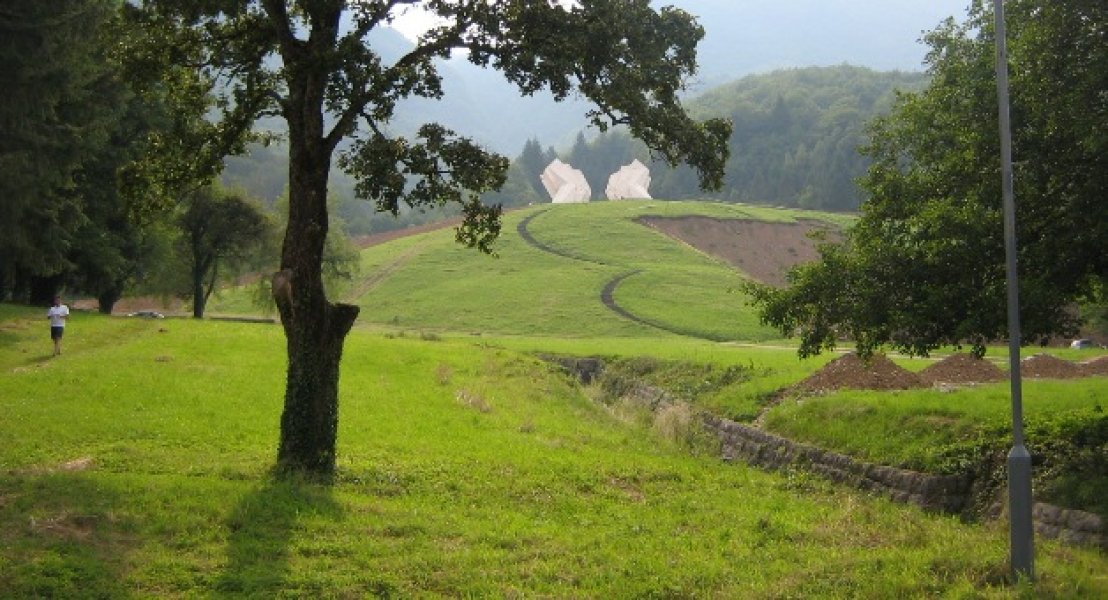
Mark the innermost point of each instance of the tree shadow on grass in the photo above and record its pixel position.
(263, 526)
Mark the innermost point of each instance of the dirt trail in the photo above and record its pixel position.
(384, 272)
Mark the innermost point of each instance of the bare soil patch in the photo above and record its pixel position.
(762, 250)
(961, 369)
(851, 372)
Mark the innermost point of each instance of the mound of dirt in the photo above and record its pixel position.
(850, 371)
(1051, 367)
(1096, 366)
(962, 368)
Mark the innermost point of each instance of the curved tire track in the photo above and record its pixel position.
(607, 298)
(525, 234)
(607, 294)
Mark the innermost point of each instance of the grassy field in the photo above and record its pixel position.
(137, 465)
(429, 282)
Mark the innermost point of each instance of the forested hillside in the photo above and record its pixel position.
(797, 133)
(795, 143)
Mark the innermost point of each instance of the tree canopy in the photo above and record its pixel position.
(310, 63)
(218, 230)
(924, 266)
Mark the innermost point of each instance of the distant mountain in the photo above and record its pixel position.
(741, 37)
(795, 143)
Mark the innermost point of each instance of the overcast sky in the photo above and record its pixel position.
(921, 14)
(754, 36)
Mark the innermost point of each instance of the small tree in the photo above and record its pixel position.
(219, 230)
(309, 62)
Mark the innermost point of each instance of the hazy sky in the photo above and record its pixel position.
(920, 14)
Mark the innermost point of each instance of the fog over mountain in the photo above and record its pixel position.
(741, 37)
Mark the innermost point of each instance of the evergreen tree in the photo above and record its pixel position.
(532, 162)
(54, 116)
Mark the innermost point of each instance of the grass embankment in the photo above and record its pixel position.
(968, 430)
(137, 465)
(427, 281)
(942, 430)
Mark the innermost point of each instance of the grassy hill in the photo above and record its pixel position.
(136, 464)
(550, 276)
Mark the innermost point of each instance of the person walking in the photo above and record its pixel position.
(57, 314)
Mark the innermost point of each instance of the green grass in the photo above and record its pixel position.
(136, 465)
(919, 422)
(967, 429)
(429, 282)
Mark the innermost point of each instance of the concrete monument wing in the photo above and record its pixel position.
(630, 181)
(565, 184)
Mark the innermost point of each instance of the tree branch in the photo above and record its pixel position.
(282, 26)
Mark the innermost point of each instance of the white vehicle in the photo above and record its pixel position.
(149, 314)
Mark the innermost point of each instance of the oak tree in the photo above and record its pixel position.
(309, 63)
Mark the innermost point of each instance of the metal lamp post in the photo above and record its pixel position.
(1019, 459)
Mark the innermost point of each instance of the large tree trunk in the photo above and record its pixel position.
(315, 329)
(107, 298)
(198, 298)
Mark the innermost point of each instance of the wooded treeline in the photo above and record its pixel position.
(925, 265)
(67, 124)
(77, 213)
(796, 141)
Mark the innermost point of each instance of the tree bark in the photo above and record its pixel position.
(106, 299)
(315, 328)
(198, 297)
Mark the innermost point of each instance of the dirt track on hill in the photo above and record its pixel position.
(373, 239)
(763, 250)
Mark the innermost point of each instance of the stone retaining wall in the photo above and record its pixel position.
(1069, 525)
(940, 493)
(947, 494)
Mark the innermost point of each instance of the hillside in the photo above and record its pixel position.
(137, 465)
(796, 139)
(584, 270)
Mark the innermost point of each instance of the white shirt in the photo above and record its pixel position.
(57, 315)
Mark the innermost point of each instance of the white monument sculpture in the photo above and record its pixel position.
(565, 184)
(630, 181)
